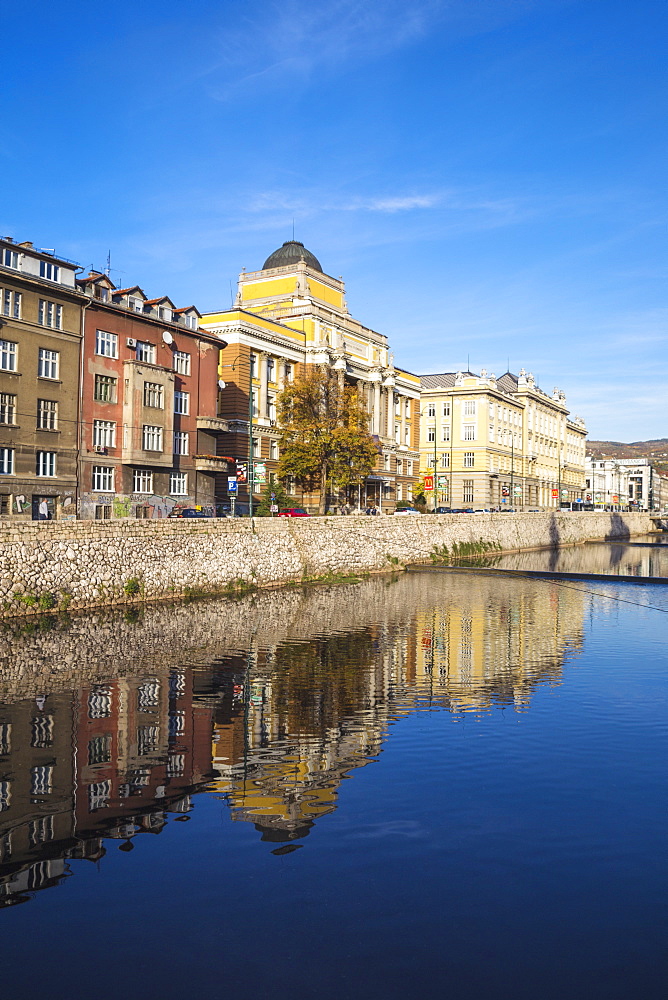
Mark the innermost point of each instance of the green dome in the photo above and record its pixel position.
(291, 253)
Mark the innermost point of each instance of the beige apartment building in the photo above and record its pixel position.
(499, 443)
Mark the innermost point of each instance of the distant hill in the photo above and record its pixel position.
(656, 449)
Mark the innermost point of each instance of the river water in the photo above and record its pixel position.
(428, 785)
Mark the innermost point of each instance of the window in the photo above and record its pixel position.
(41, 780)
(469, 432)
(99, 794)
(431, 461)
(407, 436)
(5, 738)
(99, 749)
(153, 395)
(431, 434)
(135, 304)
(102, 512)
(106, 344)
(47, 414)
(7, 408)
(289, 373)
(445, 432)
(99, 702)
(145, 352)
(5, 796)
(180, 443)
(42, 731)
(105, 389)
(165, 313)
(469, 459)
(407, 410)
(409, 468)
(254, 405)
(468, 491)
(152, 438)
(271, 408)
(104, 434)
(446, 408)
(7, 356)
(182, 402)
(142, 481)
(469, 408)
(253, 365)
(491, 433)
(147, 739)
(50, 314)
(431, 410)
(400, 467)
(10, 258)
(445, 461)
(271, 370)
(178, 484)
(6, 461)
(181, 362)
(49, 271)
(47, 365)
(45, 463)
(386, 462)
(273, 450)
(11, 303)
(397, 433)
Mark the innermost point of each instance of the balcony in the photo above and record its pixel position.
(210, 463)
(214, 425)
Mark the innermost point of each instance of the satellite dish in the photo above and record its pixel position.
(221, 384)
(167, 337)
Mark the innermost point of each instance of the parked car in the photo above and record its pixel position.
(294, 512)
(443, 510)
(407, 510)
(189, 512)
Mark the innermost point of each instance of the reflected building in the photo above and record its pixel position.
(273, 728)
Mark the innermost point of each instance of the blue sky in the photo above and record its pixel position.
(487, 175)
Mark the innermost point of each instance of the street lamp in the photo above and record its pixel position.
(251, 474)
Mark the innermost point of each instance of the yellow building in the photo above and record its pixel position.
(290, 314)
(499, 442)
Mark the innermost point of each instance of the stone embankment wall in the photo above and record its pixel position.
(50, 565)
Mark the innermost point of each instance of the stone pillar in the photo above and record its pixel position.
(402, 410)
(390, 412)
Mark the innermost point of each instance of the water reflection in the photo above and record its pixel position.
(609, 559)
(109, 725)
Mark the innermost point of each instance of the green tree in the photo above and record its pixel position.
(324, 437)
(282, 500)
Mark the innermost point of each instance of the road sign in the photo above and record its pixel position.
(274, 508)
(231, 484)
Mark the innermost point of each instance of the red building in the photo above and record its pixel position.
(149, 405)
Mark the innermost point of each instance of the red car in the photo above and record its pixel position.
(294, 512)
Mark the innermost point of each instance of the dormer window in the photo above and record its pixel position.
(49, 271)
(165, 314)
(10, 258)
(135, 304)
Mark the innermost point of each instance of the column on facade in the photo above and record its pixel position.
(402, 412)
(262, 403)
(390, 412)
(376, 408)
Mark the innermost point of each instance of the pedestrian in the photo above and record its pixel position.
(43, 510)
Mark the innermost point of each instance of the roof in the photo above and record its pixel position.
(132, 288)
(185, 309)
(161, 298)
(444, 381)
(291, 253)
